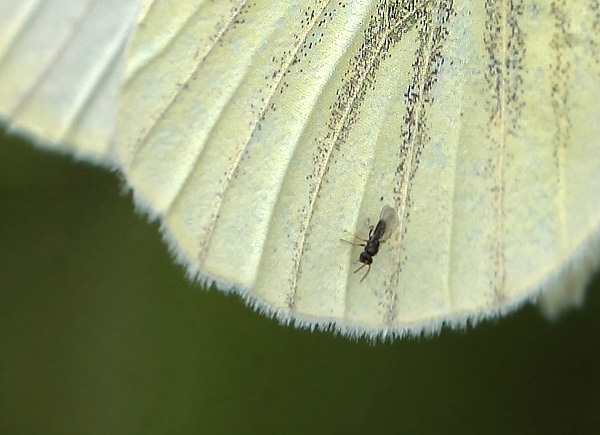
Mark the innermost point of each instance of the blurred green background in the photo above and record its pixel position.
(100, 333)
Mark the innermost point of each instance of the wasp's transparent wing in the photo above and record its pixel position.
(390, 217)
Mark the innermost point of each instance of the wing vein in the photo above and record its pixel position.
(132, 74)
(409, 149)
(322, 169)
(143, 138)
(26, 21)
(500, 274)
(87, 96)
(226, 183)
(28, 94)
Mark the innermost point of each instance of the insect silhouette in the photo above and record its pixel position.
(388, 221)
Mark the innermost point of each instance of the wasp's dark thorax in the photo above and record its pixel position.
(372, 246)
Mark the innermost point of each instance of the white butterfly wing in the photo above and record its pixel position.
(61, 65)
(258, 131)
(290, 121)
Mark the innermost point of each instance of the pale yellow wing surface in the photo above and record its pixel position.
(61, 64)
(259, 132)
